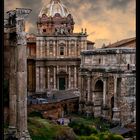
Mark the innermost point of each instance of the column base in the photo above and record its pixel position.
(116, 115)
(24, 136)
(12, 132)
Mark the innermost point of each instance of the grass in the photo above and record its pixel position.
(42, 129)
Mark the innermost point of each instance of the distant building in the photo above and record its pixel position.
(54, 53)
(108, 81)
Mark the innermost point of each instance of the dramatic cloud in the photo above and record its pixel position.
(106, 20)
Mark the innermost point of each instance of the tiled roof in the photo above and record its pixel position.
(90, 42)
(121, 43)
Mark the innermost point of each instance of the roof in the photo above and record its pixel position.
(90, 42)
(55, 6)
(121, 43)
(120, 130)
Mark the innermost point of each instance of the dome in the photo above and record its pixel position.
(54, 7)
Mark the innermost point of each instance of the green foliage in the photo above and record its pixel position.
(92, 137)
(116, 137)
(35, 114)
(41, 129)
(82, 129)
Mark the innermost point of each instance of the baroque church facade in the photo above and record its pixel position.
(54, 53)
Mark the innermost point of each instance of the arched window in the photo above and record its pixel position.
(44, 30)
(61, 50)
(99, 86)
(99, 60)
(128, 67)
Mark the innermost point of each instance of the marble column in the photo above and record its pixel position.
(54, 49)
(81, 88)
(104, 91)
(48, 50)
(116, 114)
(42, 79)
(48, 78)
(69, 48)
(75, 52)
(75, 77)
(69, 77)
(89, 87)
(54, 78)
(115, 92)
(18, 91)
(12, 93)
(37, 79)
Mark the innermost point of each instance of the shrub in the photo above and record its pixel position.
(82, 129)
(117, 137)
(35, 114)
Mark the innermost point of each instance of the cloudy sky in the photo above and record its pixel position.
(107, 21)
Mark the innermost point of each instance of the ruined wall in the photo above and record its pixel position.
(114, 98)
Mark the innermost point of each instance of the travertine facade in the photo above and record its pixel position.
(108, 79)
(56, 60)
(16, 44)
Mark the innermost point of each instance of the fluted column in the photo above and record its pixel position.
(104, 92)
(12, 92)
(69, 48)
(48, 78)
(37, 79)
(54, 49)
(116, 115)
(54, 77)
(81, 88)
(89, 86)
(42, 79)
(75, 77)
(69, 77)
(115, 92)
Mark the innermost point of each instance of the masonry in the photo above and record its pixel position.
(108, 86)
(16, 73)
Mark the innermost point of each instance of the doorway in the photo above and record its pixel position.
(62, 83)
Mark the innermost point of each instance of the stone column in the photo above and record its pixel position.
(69, 48)
(12, 93)
(42, 79)
(54, 78)
(54, 50)
(75, 52)
(104, 92)
(21, 74)
(37, 79)
(48, 78)
(48, 51)
(89, 87)
(116, 115)
(69, 77)
(81, 88)
(75, 77)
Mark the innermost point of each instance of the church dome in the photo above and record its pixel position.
(54, 7)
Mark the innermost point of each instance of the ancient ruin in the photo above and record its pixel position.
(55, 61)
(17, 64)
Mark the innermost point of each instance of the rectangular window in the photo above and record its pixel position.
(61, 50)
(51, 49)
